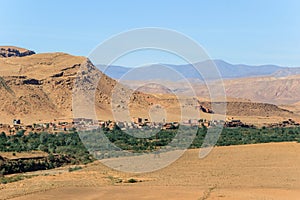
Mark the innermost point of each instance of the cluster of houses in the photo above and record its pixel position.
(237, 123)
(286, 123)
(141, 123)
(136, 123)
(17, 126)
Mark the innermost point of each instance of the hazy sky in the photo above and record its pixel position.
(250, 32)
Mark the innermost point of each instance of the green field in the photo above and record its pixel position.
(63, 149)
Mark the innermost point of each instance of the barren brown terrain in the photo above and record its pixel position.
(276, 90)
(263, 89)
(40, 87)
(261, 171)
(150, 100)
(35, 83)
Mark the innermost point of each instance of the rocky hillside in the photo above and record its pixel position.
(37, 87)
(273, 90)
(40, 88)
(253, 109)
(10, 51)
(276, 90)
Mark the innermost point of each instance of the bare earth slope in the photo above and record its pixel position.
(37, 84)
(278, 90)
(39, 87)
(268, 89)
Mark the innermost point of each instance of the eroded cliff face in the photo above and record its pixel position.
(31, 89)
(10, 51)
(41, 87)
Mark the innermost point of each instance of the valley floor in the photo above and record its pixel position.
(259, 171)
(163, 192)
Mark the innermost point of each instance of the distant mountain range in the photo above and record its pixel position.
(264, 83)
(177, 72)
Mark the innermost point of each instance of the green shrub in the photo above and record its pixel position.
(5, 180)
(72, 169)
(132, 180)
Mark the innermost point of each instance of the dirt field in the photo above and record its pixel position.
(262, 171)
(15, 155)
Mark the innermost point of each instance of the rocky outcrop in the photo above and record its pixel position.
(204, 109)
(10, 51)
(250, 109)
(31, 81)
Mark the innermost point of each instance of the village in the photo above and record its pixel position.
(84, 124)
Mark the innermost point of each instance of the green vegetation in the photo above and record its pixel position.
(68, 148)
(132, 180)
(72, 169)
(60, 144)
(161, 139)
(10, 179)
(238, 136)
(62, 149)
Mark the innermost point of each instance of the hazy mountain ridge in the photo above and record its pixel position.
(227, 70)
(265, 83)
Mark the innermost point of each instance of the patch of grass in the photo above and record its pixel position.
(72, 169)
(11, 179)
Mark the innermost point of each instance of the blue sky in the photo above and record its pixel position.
(250, 32)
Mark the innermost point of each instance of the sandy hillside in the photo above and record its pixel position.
(37, 84)
(261, 171)
(41, 87)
